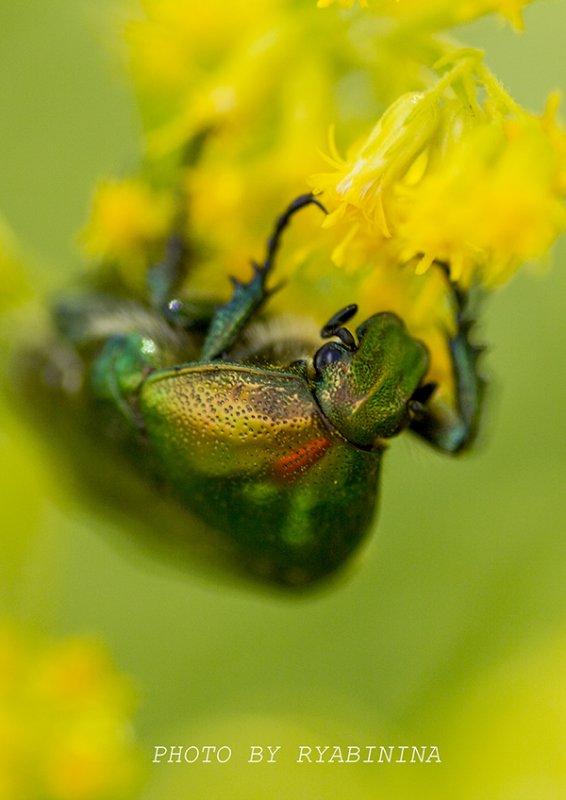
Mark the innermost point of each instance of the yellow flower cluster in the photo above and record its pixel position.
(439, 13)
(64, 722)
(238, 100)
(128, 223)
(243, 95)
(455, 175)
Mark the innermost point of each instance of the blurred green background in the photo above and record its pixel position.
(451, 631)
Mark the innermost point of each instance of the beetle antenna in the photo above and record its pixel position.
(334, 327)
(347, 338)
(335, 322)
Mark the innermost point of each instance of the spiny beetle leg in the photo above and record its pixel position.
(453, 427)
(273, 244)
(247, 298)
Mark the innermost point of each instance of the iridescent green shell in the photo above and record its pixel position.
(249, 452)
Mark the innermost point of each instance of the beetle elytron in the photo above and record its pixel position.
(280, 453)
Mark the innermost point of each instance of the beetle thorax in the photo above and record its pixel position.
(365, 394)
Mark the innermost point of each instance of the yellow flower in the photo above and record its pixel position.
(343, 3)
(440, 13)
(454, 177)
(64, 721)
(129, 222)
(175, 46)
(490, 207)
(250, 90)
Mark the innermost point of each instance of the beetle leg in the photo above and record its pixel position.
(247, 298)
(126, 342)
(165, 278)
(120, 369)
(453, 427)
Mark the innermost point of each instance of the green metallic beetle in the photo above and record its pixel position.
(277, 449)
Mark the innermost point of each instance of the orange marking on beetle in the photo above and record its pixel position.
(300, 459)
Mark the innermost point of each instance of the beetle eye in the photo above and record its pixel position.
(327, 354)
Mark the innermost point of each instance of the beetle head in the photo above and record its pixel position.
(365, 388)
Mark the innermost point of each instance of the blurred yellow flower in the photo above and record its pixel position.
(243, 95)
(64, 721)
(129, 221)
(175, 44)
(455, 176)
(440, 13)
(343, 3)
(504, 205)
